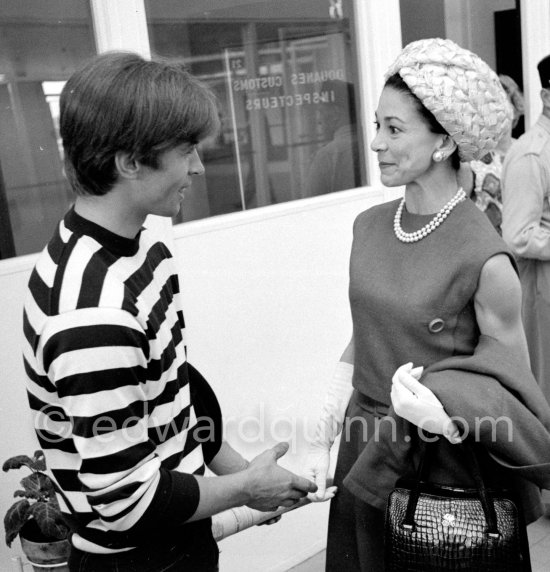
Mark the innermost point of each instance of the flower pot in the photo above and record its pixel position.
(42, 553)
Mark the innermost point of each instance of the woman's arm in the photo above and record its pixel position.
(498, 304)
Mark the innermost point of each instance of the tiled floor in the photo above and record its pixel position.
(539, 543)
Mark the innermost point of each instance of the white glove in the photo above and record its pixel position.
(329, 426)
(418, 404)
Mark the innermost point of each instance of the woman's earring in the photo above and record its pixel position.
(438, 156)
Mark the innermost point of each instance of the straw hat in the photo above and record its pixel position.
(460, 89)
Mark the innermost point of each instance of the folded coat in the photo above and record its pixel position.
(494, 395)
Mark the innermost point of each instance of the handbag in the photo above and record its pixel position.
(431, 527)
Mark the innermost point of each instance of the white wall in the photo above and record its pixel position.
(265, 296)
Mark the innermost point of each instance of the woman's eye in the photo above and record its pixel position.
(376, 125)
(393, 130)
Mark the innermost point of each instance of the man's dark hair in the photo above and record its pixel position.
(396, 82)
(119, 101)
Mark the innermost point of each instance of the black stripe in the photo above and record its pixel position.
(40, 380)
(124, 492)
(87, 337)
(124, 460)
(93, 278)
(60, 274)
(109, 421)
(28, 331)
(157, 316)
(176, 426)
(68, 480)
(93, 381)
(55, 442)
(56, 246)
(40, 292)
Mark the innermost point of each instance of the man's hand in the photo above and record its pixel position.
(270, 486)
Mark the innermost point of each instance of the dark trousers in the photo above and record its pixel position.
(153, 558)
(356, 529)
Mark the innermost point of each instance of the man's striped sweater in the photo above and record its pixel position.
(108, 384)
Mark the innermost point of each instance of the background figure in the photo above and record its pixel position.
(480, 178)
(526, 228)
(335, 166)
(432, 288)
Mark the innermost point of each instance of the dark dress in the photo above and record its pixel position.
(409, 302)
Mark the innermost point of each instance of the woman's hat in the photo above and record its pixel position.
(461, 91)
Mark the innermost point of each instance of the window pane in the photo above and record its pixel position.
(42, 43)
(285, 76)
(490, 29)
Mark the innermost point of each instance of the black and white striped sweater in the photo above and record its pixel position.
(108, 384)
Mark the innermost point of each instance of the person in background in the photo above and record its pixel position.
(335, 166)
(127, 425)
(481, 177)
(526, 228)
(435, 302)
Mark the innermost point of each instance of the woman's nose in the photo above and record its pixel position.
(377, 144)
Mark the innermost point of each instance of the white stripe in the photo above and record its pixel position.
(87, 546)
(164, 335)
(95, 360)
(84, 249)
(112, 292)
(168, 411)
(143, 495)
(101, 445)
(46, 268)
(64, 232)
(35, 315)
(57, 459)
(101, 484)
(192, 462)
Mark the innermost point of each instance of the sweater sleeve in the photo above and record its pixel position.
(97, 360)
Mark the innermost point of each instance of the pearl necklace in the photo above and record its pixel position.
(429, 227)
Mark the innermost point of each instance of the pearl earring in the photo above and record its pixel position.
(438, 156)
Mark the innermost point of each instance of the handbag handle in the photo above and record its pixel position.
(484, 495)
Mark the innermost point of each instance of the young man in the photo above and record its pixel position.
(126, 424)
(526, 228)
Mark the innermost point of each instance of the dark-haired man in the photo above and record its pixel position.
(126, 424)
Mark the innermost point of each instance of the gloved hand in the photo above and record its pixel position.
(329, 426)
(418, 404)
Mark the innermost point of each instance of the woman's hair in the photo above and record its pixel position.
(396, 82)
(122, 102)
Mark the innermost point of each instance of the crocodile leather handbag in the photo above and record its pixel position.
(432, 528)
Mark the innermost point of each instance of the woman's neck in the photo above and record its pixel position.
(429, 197)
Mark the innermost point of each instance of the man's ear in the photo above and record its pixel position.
(127, 167)
(545, 96)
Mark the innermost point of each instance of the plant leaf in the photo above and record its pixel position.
(33, 486)
(39, 460)
(17, 462)
(49, 520)
(15, 518)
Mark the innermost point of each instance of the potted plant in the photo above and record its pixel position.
(36, 518)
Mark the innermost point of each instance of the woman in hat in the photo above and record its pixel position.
(429, 279)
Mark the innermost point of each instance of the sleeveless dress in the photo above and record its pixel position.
(409, 302)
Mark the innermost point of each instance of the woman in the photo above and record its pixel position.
(430, 281)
